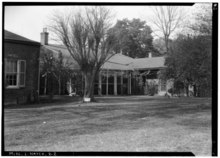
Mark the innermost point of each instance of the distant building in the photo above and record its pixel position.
(21, 68)
(121, 74)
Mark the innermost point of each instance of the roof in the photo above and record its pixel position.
(9, 36)
(115, 66)
(122, 62)
(148, 63)
(67, 57)
(58, 48)
(120, 58)
(117, 61)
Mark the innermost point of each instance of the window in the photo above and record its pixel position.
(15, 73)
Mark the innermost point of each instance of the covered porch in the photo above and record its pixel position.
(113, 82)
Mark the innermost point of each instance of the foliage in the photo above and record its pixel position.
(159, 44)
(177, 88)
(151, 88)
(203, 20)
(56, 69)
(189, 59)
(133, 38)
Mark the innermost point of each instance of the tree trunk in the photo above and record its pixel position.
(198, 91)
(92, 93)
(166, 40)
(59, 84)
(187, 90)
(194, 90)
(50, 88)
(89, 78)
(89, 81)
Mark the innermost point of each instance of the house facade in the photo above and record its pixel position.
(120, 75)
(21, 69)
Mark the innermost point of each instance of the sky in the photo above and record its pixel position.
(29, 21)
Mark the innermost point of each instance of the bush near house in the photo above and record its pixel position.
(151, 88)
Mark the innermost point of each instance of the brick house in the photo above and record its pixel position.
(21, 69)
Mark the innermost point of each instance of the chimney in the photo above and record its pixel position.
(44, 37)
(150, 55)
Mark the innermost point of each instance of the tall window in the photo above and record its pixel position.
(15, 73)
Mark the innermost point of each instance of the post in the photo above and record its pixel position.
(121, 83)
(82, 84)
(129, 83)
(107, 83)
(70, 86)
(115, 83)
(100, 84)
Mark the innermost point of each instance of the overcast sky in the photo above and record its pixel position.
(29, 21)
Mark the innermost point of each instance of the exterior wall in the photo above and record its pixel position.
(30, 53)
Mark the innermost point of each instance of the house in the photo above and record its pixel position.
(120, 75)
(123, 75)
(20, 68)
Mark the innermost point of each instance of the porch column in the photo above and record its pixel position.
(107, 83)
(100, 84)
(70, 86)
(115, 83)
(121, 83)
(129, 83)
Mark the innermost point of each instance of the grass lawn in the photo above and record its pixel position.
(132, 123)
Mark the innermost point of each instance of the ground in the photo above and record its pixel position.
(131, 123)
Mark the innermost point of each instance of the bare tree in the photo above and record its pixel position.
(167, 19)
(85, 35)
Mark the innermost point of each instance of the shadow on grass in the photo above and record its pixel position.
(44, 101)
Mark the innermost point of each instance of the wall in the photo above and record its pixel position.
(30, 53)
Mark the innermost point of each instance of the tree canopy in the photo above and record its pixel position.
(133, 38)
(189, 58)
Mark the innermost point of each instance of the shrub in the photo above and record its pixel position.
(151, 88)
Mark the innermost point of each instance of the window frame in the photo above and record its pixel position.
(18, 73)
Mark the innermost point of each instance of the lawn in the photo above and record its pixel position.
(132, 123)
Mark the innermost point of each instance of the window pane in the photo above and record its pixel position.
(22, 70)
(11, 79)
(11, 66)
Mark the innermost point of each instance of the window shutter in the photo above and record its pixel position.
(22, 73)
